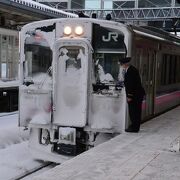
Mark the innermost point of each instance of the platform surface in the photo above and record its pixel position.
(151, 154)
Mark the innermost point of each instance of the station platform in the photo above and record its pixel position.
(151, 154)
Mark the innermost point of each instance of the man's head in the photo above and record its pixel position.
(125, 61)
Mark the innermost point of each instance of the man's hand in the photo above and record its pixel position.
(129, 99)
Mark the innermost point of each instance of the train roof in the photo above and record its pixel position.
(56, 20)
(147, 31)
(155, 33)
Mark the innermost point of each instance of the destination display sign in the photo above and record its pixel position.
(107, 39)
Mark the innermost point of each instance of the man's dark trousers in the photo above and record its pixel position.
(135, 114)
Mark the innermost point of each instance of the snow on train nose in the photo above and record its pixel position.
(35, 106)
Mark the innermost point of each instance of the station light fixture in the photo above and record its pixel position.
(79, 30)
(67, 30)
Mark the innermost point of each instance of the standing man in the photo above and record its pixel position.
(134, 93)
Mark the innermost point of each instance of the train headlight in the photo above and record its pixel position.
(67, 30)
(79, 30)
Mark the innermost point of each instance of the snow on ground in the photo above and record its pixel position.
(15, 157)
(16, 160)
(10, 133)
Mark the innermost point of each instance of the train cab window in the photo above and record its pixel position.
(71, 58)
(107, 67)
(38, 58)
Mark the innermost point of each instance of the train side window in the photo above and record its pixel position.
(167, 62)
(177, 70)
(144, 68)
(172, 67)
(169, 69)
(163, 72)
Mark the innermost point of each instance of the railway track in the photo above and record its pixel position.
(29, 173)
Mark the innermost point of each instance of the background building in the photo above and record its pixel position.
(158, 13)
(109, 4)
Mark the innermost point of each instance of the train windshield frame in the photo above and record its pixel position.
(109, 47)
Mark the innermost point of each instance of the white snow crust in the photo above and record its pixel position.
(72, 83)
(10, 133)
(15, 157)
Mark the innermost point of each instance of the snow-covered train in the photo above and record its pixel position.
(71, 81)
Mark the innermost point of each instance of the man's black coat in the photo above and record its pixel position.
(132, 82)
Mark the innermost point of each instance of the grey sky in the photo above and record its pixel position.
(95, 4)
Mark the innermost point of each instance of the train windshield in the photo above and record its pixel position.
(107, 67)
(72, 57)
(38, 57)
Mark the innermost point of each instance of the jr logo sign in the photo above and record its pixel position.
(110, 36)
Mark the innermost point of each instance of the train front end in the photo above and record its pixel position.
(80, 94)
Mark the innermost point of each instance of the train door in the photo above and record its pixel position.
(147, 71)
(71, 59)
